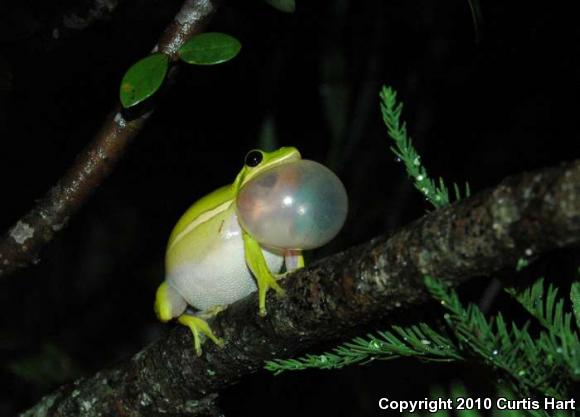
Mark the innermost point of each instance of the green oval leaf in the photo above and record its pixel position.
(287, 6)
(209, 48)
(143, 79)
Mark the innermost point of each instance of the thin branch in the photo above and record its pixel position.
(84, 14)
(534, 212)
(21, 245)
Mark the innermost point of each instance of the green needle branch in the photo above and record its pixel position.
(435, 192)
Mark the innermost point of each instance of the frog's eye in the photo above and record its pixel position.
(253, 158)
(296, 205)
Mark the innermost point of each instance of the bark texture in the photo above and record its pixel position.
(524, 216)
(21, 245)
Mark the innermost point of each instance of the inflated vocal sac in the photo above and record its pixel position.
(295, 205)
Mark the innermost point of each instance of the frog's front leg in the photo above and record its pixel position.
(293, 260)
(170, 304)
(264, 277)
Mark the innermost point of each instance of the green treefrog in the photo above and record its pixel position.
(240, 236)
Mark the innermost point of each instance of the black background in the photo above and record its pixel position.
(477, 110)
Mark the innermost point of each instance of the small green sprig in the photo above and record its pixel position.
(415, 341)
(435, 192)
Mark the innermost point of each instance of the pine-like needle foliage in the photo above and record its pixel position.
(546, 361)
(415, 341)
(544, 364)
(558, 342)
(435, 192)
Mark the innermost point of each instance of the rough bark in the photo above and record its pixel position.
(21, 245)
(524, 216)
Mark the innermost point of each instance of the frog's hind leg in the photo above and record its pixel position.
(198, 326)
(168, 303)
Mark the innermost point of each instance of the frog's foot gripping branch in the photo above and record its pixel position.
(266, 281)
(169, 304)
(199, 326)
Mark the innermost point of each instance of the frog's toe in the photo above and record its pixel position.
(266, 282)
(199, 326)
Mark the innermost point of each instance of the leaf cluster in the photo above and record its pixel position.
(146, 76)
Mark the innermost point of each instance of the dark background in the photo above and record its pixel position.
(478, 110)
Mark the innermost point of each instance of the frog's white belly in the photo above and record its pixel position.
(221, 275)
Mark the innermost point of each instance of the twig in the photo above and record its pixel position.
(21, 245)
(478, 236)
(83, 14)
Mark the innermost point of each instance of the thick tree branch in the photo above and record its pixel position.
(525, 215)
(21, 245)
